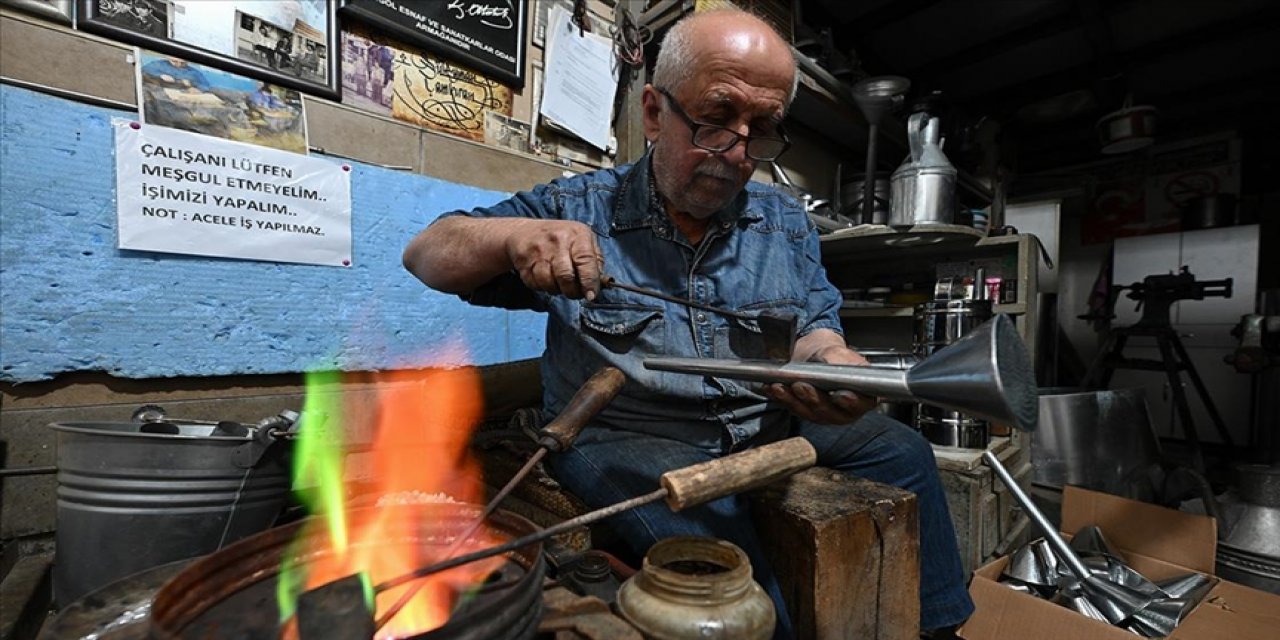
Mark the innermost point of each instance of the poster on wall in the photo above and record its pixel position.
(200, 99)
(187, 193)
(285, 42)
(56, 10)
(485, 35)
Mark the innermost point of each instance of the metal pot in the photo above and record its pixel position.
(1209, 211)
(851, 194)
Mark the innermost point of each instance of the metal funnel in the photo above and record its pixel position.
(987, 374)
(878, 96)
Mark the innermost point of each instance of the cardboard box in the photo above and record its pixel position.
(1157, 542)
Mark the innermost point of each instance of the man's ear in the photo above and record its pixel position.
(651, 106)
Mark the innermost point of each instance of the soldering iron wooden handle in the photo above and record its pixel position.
(598, 391)
(735, 473)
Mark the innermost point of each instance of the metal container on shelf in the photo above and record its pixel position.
(942, 322)
(938, 324)
(851, 195)
(922, 190)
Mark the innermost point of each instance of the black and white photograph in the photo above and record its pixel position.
(288, 51)
(56, 10)
(290, 43)
(150, 17)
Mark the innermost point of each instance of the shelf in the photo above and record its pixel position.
(877, 312)
(953, 459)
(857, 242)
(1013, 309)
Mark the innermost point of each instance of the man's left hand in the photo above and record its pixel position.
(822, 407)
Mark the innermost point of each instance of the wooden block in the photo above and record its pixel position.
(846, 552)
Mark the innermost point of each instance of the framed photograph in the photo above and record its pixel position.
(487, 37)
(56, 10)
(203, 99)
(289, 43)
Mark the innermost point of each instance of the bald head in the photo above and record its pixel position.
(695, 40)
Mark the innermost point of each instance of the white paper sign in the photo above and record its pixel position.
(181, 192)
(581, 80)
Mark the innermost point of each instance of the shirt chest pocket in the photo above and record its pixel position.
(624, 328)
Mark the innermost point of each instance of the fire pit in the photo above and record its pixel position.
(233, 593)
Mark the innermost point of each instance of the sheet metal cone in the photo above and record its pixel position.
(1026, 566)
(1159, 617)
(1084, 606)
(1116, 601)
(1191, 587)
(1121, 573)
(1089, 541)
(987, 373)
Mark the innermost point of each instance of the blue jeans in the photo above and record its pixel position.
(607, 466)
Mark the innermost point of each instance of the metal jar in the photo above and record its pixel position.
(697, 588)
(938, 324)
(942, 322)
(129, 500)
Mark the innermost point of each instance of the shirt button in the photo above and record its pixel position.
(701, 318)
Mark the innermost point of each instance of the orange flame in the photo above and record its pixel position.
(423, 426)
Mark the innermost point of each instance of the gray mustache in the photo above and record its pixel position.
(716, 169)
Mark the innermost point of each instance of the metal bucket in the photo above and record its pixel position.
(129, 500)
(1100, 440)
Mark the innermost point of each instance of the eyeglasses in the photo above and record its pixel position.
(718, 139)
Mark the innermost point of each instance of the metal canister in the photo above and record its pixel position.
(938, 324)
(697, 588)
(942, 322)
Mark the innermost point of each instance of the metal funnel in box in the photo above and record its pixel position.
(987, 374)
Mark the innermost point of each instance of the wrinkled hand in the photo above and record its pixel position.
(558, 256)
(822, 407)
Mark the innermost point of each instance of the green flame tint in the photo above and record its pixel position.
(317, 478)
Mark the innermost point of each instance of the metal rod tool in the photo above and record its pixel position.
(987, 373)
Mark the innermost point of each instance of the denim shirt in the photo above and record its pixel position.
(760, 252)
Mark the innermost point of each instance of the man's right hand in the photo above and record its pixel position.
(557, 256)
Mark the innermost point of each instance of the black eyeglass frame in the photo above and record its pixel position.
(695, 127)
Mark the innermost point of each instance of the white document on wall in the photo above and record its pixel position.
(581, 79)
(181, 192)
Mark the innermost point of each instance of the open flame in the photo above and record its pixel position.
(420, 457)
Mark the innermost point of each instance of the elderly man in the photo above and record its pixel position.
(685, 219)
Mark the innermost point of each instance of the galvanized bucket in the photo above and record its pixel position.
(132, 496)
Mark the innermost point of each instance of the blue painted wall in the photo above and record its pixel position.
(71, 301)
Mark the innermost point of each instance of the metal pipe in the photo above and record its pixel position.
(869, 177)
(887, 384)
(27, 471)
(1050, 532)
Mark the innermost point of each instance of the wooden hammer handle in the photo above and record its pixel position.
(597, 392)
(736, 473)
